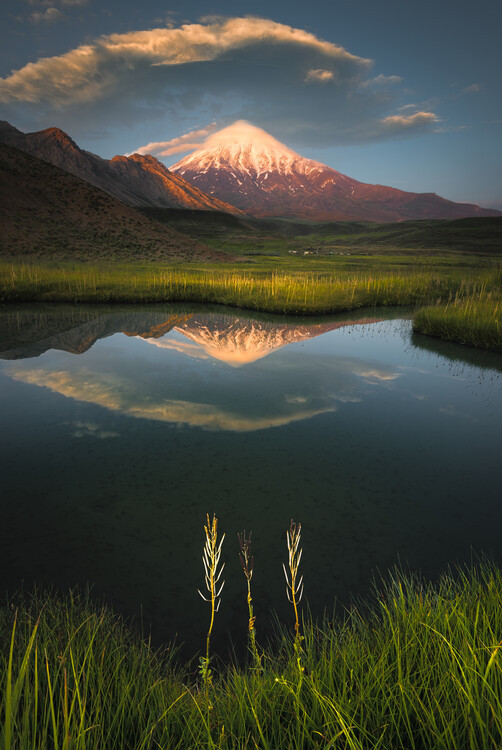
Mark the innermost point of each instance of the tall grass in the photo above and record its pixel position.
(461, 304)
(74, 676)
(418, 667)
(257, 289)
(475, 320)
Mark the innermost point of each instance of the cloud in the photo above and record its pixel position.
(382, 80)
(52, 12)
(375, 374)
(132, 399)
(182, 347)
(50, 15)
(284, 79)
(299, 399)
(87, 72)
(452, 128)
(452, 411)
(402, 123)
(90, 429)
(472, 89)
(188, 142)
(320, 76)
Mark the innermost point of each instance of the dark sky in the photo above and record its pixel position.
(397, 93)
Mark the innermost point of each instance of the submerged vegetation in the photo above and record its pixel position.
(421, 668)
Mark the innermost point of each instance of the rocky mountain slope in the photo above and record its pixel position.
(136, 180)
(47, 212)
(247, 166)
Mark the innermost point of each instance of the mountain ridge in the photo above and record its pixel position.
(265, 178)
(135, 180)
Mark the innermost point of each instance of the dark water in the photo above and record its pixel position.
(122, 427)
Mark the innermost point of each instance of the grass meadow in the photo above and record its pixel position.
(475, 320)
(462, 303)
(420, 666)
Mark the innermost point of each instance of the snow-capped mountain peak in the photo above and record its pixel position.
(247, 167)
(244, 148)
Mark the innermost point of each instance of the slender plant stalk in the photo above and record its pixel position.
(211, 558)
(294, 592)
(247, 566)
(13, 690)
(294, 585)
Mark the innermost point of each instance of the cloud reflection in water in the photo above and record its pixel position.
(280, 397)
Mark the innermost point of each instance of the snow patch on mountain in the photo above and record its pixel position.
(244, 148)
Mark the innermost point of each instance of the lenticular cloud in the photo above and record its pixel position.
(90, 71)
(282, 78)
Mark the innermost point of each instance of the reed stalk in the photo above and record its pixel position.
(247, 566)
(294, 585)
(212, 574)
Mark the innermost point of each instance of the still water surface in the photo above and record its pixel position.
(122, 427)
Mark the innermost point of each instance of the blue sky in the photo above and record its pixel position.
(396, 93)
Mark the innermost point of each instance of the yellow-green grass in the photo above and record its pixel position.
(421, 668)
(475, 320)
(458, 302)
(257, 288)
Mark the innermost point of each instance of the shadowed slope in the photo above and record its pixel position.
(136, 180)
(46, 212)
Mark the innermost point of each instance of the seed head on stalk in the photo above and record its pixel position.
(247, 566)
(210, 559)
(294, 586)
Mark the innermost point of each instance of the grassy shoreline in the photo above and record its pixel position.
(421, 667)
(323, 289)
(473, 320)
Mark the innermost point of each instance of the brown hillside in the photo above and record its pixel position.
(135, 180)
(46, 212)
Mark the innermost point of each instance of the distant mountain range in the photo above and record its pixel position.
(241, 170)
(246, 166)
(135, 180)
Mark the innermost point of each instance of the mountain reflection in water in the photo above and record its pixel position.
(286, 395)
(233, 338)
(239, 342)
(384, 444)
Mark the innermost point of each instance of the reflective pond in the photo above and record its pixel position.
(121, 427)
